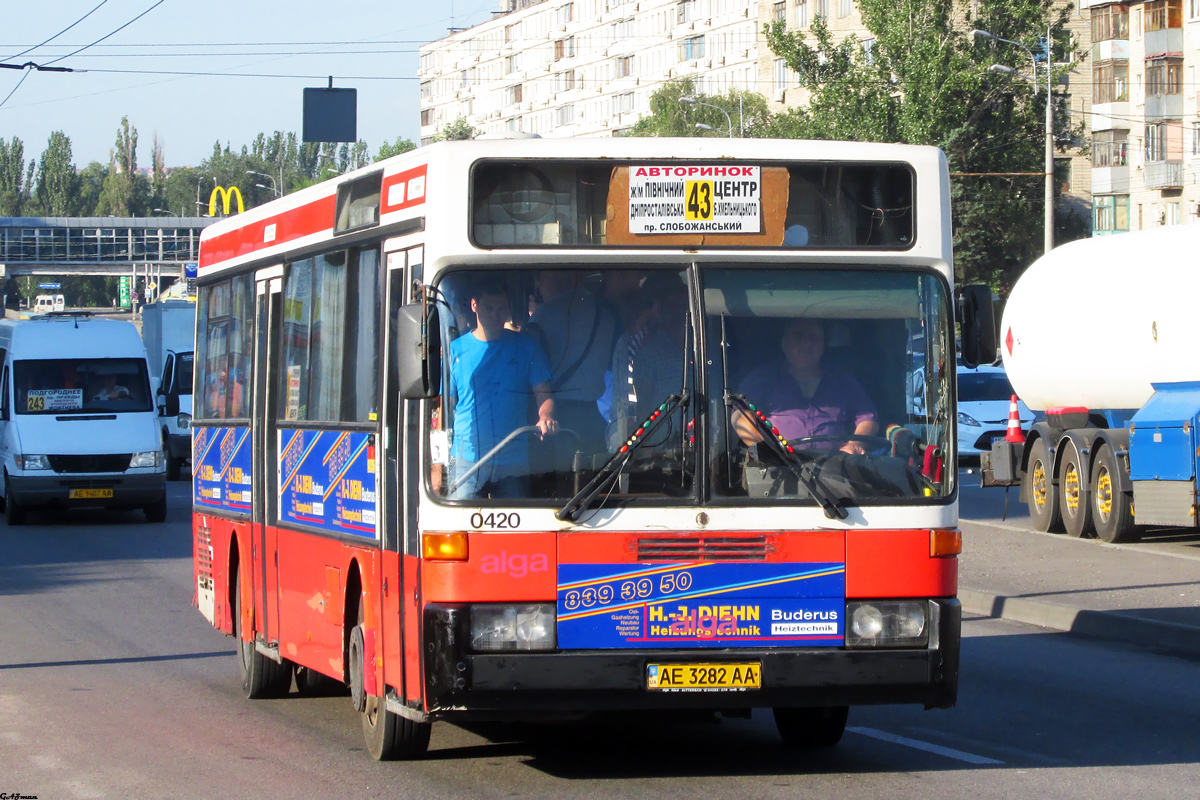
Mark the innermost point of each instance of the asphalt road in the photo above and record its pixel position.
(113, 686)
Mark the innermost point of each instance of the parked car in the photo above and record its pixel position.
(984, 396)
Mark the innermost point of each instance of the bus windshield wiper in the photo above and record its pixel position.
(803, 469)
(612, 468)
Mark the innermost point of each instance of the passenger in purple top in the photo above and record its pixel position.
(801, 398)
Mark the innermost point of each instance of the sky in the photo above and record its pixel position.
(126, 73)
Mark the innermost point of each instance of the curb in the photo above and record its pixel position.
(1168, 637)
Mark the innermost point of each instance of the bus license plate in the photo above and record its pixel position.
(703, 677)
(89, 494)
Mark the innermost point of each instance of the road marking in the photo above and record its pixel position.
(928, 747)
(1145, 547)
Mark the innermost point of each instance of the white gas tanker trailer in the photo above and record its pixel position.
(1101, 335)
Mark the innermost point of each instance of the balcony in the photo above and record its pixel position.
(1164, 106)
(1111, 116)
(1163, 175)
(1110, 180)
(1161, 42)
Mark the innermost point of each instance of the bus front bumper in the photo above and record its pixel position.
(460, 682)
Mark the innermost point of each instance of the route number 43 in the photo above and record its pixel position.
(699, 200)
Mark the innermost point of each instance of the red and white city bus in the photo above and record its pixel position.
(521, 427)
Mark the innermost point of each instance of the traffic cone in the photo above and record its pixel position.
(1015, 434)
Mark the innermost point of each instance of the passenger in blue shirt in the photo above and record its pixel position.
(493, 370)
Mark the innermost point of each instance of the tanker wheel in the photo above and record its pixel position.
(1042, 493)
(1112, 509)
(1075, 503)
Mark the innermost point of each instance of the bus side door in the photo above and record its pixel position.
(264, 533)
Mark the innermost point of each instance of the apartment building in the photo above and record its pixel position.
(1145, 118)
(583, 67)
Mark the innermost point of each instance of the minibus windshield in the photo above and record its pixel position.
(75, 386)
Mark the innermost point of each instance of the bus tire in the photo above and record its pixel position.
(811, 727)
(1075, 503)
(310, 683)
(1044, 511)
(388, 736)
(262, 678)
(1112, 511)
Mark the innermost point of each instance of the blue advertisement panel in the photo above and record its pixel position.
(221, 468)
(701, 605)
(327, 481)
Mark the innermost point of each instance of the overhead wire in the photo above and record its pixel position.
(60, 33)
(109, 35)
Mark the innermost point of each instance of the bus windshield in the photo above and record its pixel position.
(75, 386)
(551, 374)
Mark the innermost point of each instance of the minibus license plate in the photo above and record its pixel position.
(703, 677)
(89, 494)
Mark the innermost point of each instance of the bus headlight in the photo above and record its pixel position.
(33, 462)
(887, 623)
(513, 627)
(149, 459)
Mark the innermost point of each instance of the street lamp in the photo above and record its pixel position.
(1049, 165)
(274, 185)
(165, 211)
(691, 101)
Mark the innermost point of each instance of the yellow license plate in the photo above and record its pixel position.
(90, 494)
(703, 677)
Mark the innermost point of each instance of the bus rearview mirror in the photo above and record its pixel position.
(418, 352)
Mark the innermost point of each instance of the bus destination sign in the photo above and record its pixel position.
(695, 199)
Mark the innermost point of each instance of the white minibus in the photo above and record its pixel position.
(78, 423)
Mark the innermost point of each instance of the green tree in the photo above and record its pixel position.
(57, 177)
(457, 130)
(401, 145)
(670, 117)
(924, 80)
(13, 189)
(120, 194)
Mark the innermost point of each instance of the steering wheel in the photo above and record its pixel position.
(872, 444)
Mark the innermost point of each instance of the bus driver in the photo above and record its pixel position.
(492, 372)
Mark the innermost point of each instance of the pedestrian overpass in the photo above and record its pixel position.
(148, 249)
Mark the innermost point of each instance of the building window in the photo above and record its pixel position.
(510, 33)
(1193, 9)
(802, 13)
(1110, 148)
(1111, 213)
(1172, 213)
(565, 115)
(1164, 14)
(1164, 76)
(779, 76)
(426, 116)
(844, 8)
(513, 94)
(1111, 22)
(1196, 138)
(779, 12)
(624, 66)
(692, 47)
(685, 11)
(565, 14)
(1110, 82)
(623, 103)
(1156, 142)
(564, 81)
(426, 90)
(512, 64)
(564, 48)
(823, 8)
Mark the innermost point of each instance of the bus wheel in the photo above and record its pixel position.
(811, 727)
(1111, 509)
(1076, 504)
(389, 736)
(1042, 493)
(261, 677)
(310, 683)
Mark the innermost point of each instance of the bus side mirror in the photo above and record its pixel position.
(418, 351)
(977, 323)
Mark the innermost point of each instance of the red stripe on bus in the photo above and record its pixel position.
(896, 564)
(308, 219)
